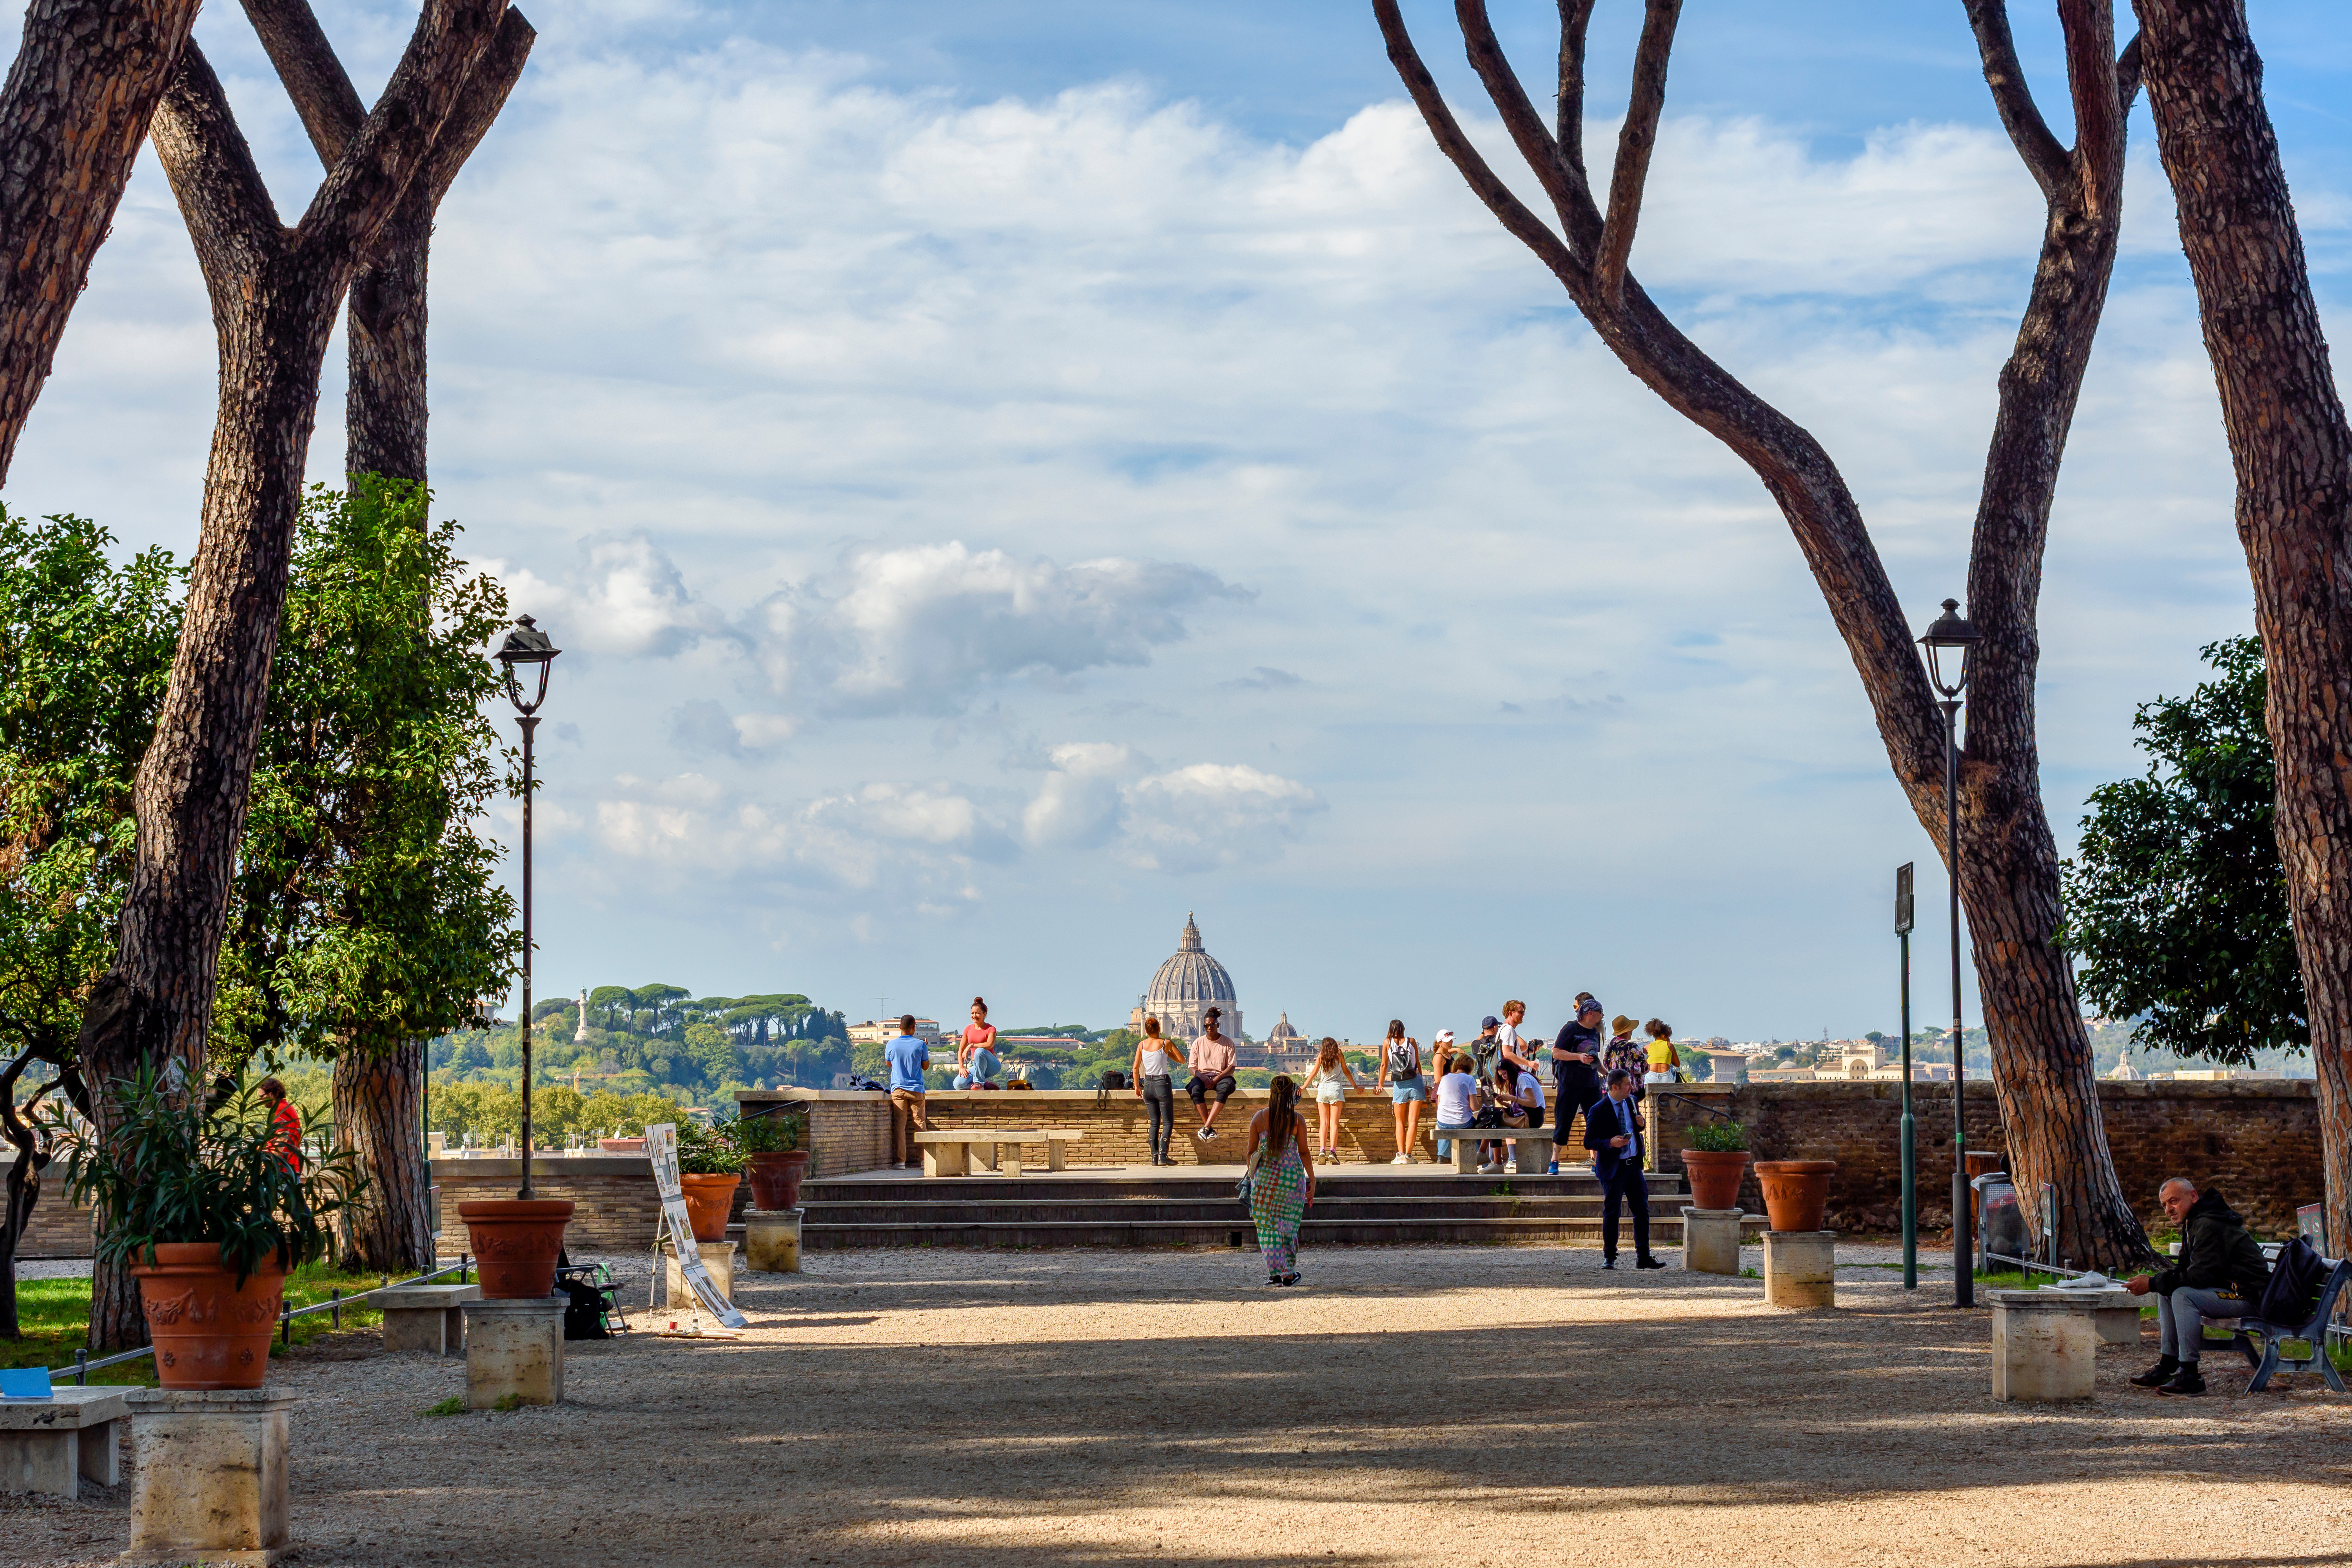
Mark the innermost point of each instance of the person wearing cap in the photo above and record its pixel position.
(1575, 1071)
(1212, 1060)
(1487, 1045)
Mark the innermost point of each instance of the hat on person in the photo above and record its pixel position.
(1591, 1006)
(1490, 1022)
(1620, 1025)
(1444, 1037)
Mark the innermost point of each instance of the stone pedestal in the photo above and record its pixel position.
(718, 1256)
(514, 1348)
(1711, 1240)
(1800, 1268)
(2117, 1315)
(51, 1446)
(208, 1476)
(2045, 1344)
(772, 1241)
(429, 1320)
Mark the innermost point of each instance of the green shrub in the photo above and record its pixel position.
(1719, 1138)
(771, 1133)
(709, 1151)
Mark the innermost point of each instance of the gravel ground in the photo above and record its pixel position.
(1463, 1405)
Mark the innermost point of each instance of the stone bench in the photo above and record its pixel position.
(429, 1320)
(1467, 1138)
(952, 1152)
(47, 1446)
(2045, 1342)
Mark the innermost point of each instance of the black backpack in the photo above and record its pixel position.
(1114, 1080)
(2294, 1288)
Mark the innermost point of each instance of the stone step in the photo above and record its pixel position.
(1666, 1232)
(1048, 1187)
(1213, 1208)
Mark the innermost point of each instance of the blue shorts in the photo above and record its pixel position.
(1407, 1090)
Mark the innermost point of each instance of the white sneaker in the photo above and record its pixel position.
(1490, 1170)
(1402, 1159)
(1206, 1134)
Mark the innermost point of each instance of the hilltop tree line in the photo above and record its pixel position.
(658, 1038)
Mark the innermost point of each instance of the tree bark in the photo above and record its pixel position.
(385, 415)
(2041, 1054)
(75, 109)
(274, 293)
(2292, 450)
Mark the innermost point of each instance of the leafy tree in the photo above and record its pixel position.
(2177, 902)
(366, 913)
(84, 650)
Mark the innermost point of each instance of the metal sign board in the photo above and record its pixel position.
(1903, 900)
(661, 1148)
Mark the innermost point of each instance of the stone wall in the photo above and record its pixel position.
(851, 1130)
(58, 1229)
(2255, 1140)
(618, 1210)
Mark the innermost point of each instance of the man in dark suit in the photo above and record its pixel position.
(1612, 1131)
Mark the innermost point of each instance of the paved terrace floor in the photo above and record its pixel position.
(1409, 1406)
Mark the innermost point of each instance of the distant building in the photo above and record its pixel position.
(882, 1031)
(1284, 1050)
(1185, 987)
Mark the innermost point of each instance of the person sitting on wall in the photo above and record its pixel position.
(2221, 1274)
(1212, 1060)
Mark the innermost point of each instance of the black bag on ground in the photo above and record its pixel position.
(583, 1316)
(2294, 1289)
(1114, 1080)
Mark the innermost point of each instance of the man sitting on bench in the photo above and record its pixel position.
(2221, 1274)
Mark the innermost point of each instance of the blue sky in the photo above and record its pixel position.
(1005, 476)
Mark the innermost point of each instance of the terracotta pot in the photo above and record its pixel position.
(208, 1333)
(708, 1199)
(776, 1179)
(1715, 1176)
(515, 1241)
(1796, 1192)
(622, 1145)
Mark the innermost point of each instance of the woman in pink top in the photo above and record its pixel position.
(976, 1063)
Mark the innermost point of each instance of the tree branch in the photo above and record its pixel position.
(2127, 72)
(376, 166)
(1513, 214)
(1634, 139)
(1575, 17)
(228, 211)
(1528, 133)
(2090, 27)
(314, 78)
(494, 77)
(2046, 159)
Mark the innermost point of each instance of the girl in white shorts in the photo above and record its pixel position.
(1331, 1081)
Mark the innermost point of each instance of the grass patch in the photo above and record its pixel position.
(453, 1405)
(54, 1317)
(506, 1402)
(1750, 1274)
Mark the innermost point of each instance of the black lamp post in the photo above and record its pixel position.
(525, 645)
(1952, 639)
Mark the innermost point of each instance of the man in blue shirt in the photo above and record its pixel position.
(1612, 1131)
(907, 1056)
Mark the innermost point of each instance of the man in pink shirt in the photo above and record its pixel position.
(1212, 1060)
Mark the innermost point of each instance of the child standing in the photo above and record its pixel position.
(1663, 1059)
(1331, 1081)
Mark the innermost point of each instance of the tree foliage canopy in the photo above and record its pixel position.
(2176, 903)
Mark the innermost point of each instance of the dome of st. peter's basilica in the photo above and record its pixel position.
(1187, 985)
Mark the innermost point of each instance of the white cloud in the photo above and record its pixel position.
(1200, 817)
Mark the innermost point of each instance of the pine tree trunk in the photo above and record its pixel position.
(384, 409)
(72, 116)
(379, 1108)
(2292, 449)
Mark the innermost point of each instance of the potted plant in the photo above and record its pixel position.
(710, 1168)
(1716, 1163)
(210, 1210)
(777, 1143)
(1796, 1192)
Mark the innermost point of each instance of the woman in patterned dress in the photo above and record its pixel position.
(1282, 1180)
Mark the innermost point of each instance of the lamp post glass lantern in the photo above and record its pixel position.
(1951, 644)
(526, 645)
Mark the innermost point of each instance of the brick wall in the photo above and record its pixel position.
(850, 1131)
(2257, 1141)
(58, 1229)
(618, 1210)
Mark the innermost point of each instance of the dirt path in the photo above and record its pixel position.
(1406, 1405)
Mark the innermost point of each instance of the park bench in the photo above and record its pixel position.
(952, 1152)
(2313, 1333)
(50, 1445)
(1467, 1138)
(430, 1319)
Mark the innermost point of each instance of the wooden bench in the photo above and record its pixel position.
(1467, 1138)
(952, 1152)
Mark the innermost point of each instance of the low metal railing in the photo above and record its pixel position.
(1699, 1104)
(336, 1302)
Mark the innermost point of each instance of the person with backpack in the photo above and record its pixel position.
(2220, 1274)
(1399, 1074)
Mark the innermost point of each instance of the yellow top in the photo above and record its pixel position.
(1662, 1055)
